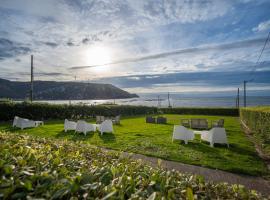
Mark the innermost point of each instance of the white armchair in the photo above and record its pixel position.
(69, 125)
(84, 127)
(106, 126)
(215, 135)
(25, 123)
(182, 133)
(15, 121)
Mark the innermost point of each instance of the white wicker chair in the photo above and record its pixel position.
(215, 135)
(69, 125)
(15, 121)
(182, 133)
(25, 123)
(84, 127)
(106, 126)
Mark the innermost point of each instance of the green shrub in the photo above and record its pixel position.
(202, 111)
(43, 111)
(62, 111)
(258, 121)
(34, 168)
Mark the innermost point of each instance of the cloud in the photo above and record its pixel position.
(205, 81)
(194, 50)
(51, 44)
(10, 49)
(263, 26)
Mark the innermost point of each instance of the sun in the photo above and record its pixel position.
(98, 55)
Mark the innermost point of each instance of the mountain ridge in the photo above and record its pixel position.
(56, 90)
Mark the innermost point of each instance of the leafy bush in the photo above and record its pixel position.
(258, 121)
(55, 169)
(62, 111)
(202, 111)
(42, 111)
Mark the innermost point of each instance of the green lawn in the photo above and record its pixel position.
(134, 135)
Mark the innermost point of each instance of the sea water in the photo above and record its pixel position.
(174, 100)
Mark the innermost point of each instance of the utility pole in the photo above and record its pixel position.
(245, 95)
(169, 100)
(238, 99)
(32, 79)
(159, 103)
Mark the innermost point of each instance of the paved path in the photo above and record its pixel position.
(250, 182)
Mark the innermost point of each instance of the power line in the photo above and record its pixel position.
(260, 55)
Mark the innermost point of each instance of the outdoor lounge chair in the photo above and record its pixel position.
(100, 119)
(106, 127)
(69, 125)
(185, 123)
(218, 123)
(23, 123)
(199, 123)
(116, 120)
(16, 121)
(150, 119)
(161, 120)
(215, 135)
(84, 127)
(182, 133)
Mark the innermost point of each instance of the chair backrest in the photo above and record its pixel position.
(107, 123)
(117, 118)
(161, 120)
(218, 134)
(106, 126)
(80, 125)
(195, 123)
(220, 123)
(203, 122)
(150, 119)
(179, 131)
(16, 120)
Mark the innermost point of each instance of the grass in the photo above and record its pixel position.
(38, 168)
(134, 135)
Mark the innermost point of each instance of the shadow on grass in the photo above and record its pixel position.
(75, 136)
(107, 137)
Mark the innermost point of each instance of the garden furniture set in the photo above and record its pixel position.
(158, 120)
(115, 120)
(25, 123)
(201, 123)
(83, 127)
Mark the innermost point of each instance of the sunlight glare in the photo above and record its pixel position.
(97, 56)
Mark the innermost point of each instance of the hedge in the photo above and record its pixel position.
(43, 111)
(202, 111)
(258, 121)
(61, 111)
(38, 168)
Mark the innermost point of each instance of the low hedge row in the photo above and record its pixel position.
(62, 111)
(202, 111)
(45, 111)
(258, 121)
(37, 168)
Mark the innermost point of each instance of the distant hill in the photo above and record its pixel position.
(52, 90)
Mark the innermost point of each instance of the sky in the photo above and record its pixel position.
(142, 46)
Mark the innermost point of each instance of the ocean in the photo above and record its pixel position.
(176, 100)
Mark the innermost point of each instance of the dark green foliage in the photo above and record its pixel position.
(258, 121)
(202, 111)
(53, 169)
(42, 111)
